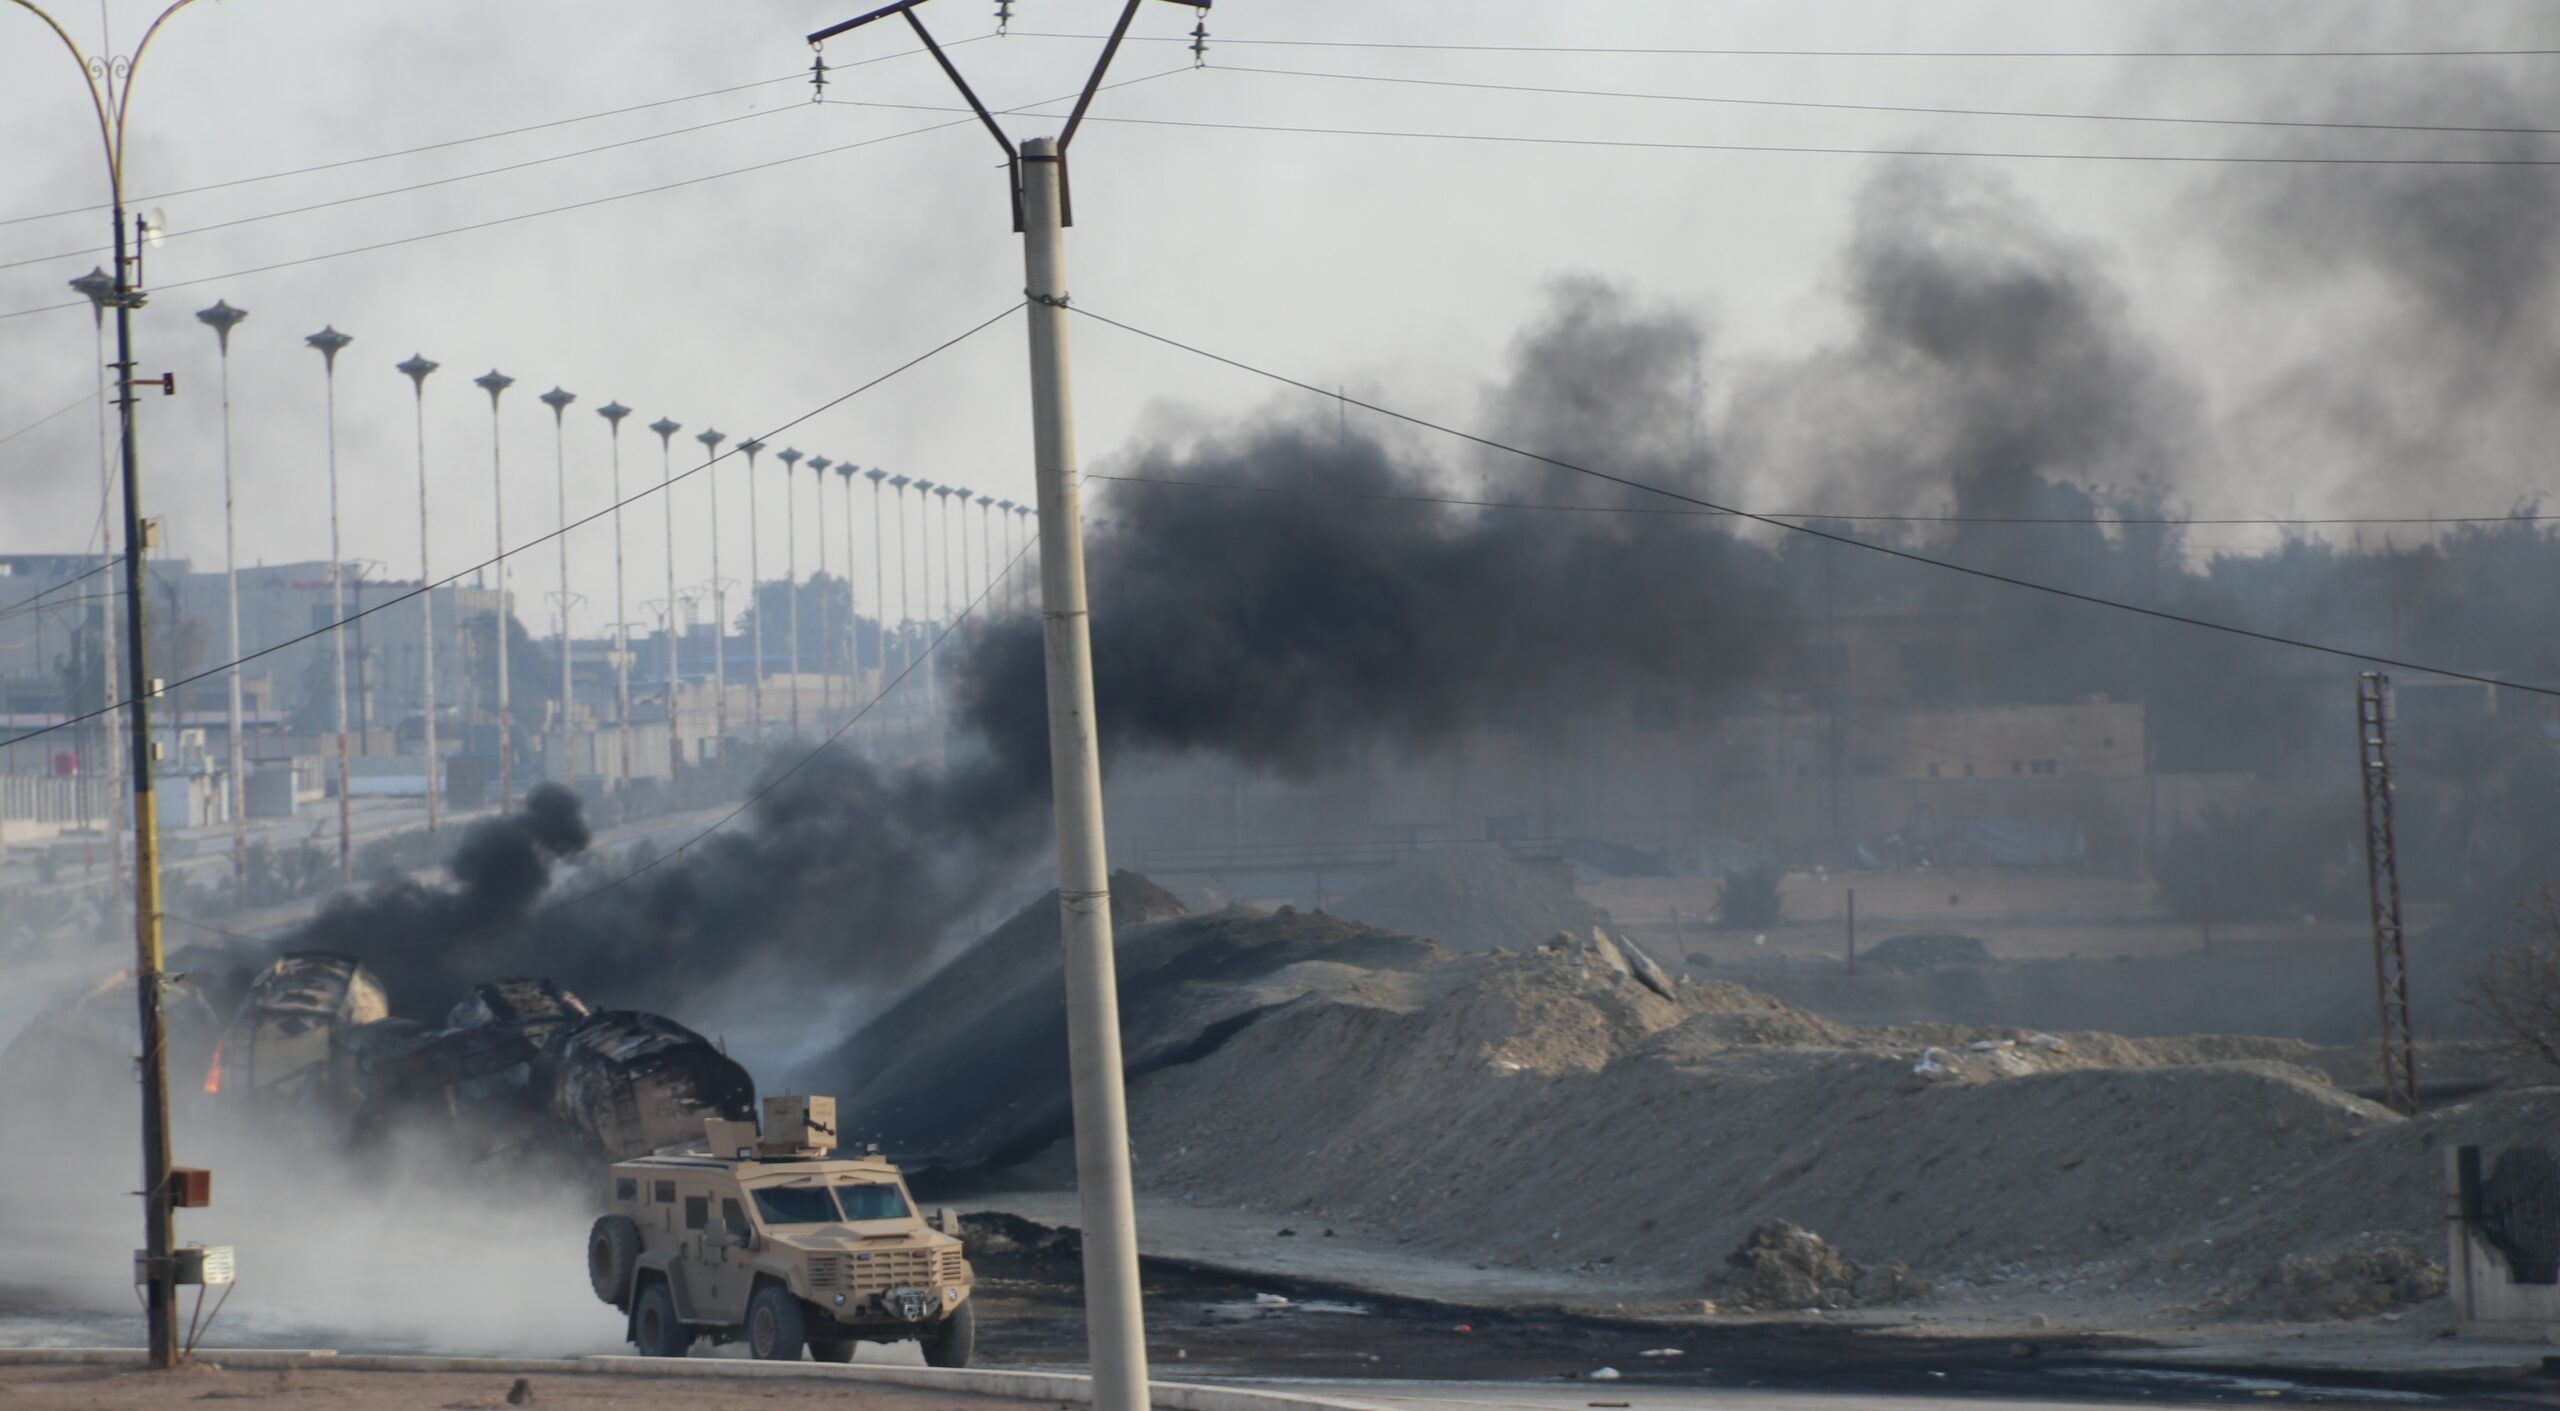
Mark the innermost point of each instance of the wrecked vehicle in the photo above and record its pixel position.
(774, 1240)
(289, 1043)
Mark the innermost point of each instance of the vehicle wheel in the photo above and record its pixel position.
(613, 1252)
(776, 1328)
(655, 1329)
(951, 1342)
(831, 1351)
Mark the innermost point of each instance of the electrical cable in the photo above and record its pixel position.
(1906, 555)
(1804, 149)
(595, 201)
(538, 540)
(1668, 52)
(2098, 520)
(797, 77)
(2340, 126)
(85, 400)
(193, 230)
(32, 598)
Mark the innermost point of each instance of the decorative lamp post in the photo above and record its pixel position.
(846, 471)
(559, 400)
(416, 370)
(613, 413)
(1024, 513)
(222, 318)
(755, 585)
(1005, 508)
(328, 341)
(666, 429)
(791, 558)
(906, 618)
(986, 547)
(711, 440)
(494, 382)
(943, 493)
(826, 599)
(879, 588)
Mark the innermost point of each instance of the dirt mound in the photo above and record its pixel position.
(2356, 1284)
(1472, 898)
(1785, 1266)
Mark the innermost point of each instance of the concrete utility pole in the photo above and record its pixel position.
(879, 598)
(666, 429)
(329, 341)
(416, 370)
(613, 413)
(826, 602)
(847, 470)
(1114, 1321)
(495, 382)
(222, 318)
(791, 570)
(558, 400)
(711, 440)
(755, 586)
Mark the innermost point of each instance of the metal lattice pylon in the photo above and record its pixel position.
(2382, 885)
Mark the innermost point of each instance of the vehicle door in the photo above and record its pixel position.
(716, 1246)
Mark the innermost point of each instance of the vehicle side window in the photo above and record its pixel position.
(733, 1217)
(665, 1194)
(697, 1211)
(626, 1188)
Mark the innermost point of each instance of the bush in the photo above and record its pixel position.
(2517, 989)
(1749, 899)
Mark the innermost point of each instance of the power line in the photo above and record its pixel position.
(429, 184)
(579, 205)
(538, 540)
(1803, 149)
(1895, 107)
(481, 137)
(1988, 575)
(1670, 52)
(2098, 520)
(85, 399)
(12, 609)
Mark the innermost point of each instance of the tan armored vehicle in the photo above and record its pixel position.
(772, 1239)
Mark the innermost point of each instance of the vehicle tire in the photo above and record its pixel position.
(655, 1329)
(776, 1328)
(830, 1350)
(613, 1255)
(951, 1342)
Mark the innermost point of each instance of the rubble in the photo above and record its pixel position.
(1785, 1266)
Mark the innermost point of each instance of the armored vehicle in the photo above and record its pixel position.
(777, 1239)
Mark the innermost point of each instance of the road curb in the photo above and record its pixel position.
(1073, 1387)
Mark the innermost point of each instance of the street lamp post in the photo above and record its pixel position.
(222, 318)
(711, 440)
(328, 341)
(416, 370)
(755, 586)
(494, 382)
(790, 459)
(613, 413)
(879, 598)
(1005, 595)
(847, 470)
(906, 619)
(110, 80)
(943, 494)
(826, 601)
(559, 400)
(666, 429)
(1023, 514)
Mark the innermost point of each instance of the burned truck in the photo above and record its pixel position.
(778, 1240)
(518, 1064)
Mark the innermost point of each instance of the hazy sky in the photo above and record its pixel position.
(1401, 268)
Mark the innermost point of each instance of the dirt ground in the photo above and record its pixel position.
(128, 1389)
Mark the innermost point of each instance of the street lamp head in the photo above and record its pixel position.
(329, 341)
(711, 440)
(613, 412)
(1023, 510)
(900, 483)
(415, 369)
(985, 500)
(790, 458)
(848, 470)
(558, 401)
(665, 429)
(751, 445)
(820, 464)
(1005, 505)
(875, 475)
(98, 286)
(923, 486)
(222, 318)
(943, 492)
(493, 382)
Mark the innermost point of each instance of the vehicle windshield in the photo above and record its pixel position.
(872, 1202)
(795, 1205)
